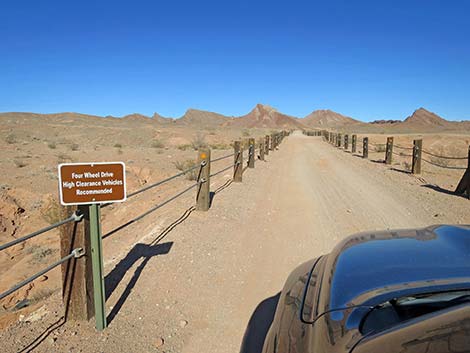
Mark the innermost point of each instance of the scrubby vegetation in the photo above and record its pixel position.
(185, 165)
(199, 141)
(380, 148)
(158, 144)
(10, 139)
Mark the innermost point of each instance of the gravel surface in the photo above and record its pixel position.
(195, 289)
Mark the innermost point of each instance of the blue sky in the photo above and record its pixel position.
(366, 59)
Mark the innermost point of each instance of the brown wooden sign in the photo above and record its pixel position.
(88, 183)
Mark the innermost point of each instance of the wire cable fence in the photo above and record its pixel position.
(76, 253)
(75, 217)
(161, 182)
(442, 166)
(222, 158)
(167, 201)
(174, 197)
(223, 170)
(443, 157)
(401, 154)
(403, 147)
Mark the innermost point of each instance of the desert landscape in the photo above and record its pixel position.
(203, 291)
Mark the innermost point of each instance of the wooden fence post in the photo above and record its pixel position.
(77, 274)
(339, 140)
(266, 145)
(238, 162)
(251, 153)
(261, 149)
(271, 145)
(203, 190)
(389, 151)
(365, 147)
(416, 164)
(354, 141)
(464, 184)
(346, 142)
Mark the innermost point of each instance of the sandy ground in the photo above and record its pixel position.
(195, 286)
(32, 147)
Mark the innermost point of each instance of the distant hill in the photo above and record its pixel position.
(202, 118)
(264, 116)
(261, 116)
(423, 117)
(327, 119)
(159, 119)
(421, 120)
(137, 117)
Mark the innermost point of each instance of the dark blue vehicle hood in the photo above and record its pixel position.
(366, 267)
(336, 291)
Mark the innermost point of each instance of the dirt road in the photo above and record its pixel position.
(196, 290)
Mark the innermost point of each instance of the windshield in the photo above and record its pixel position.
(446, 298)
(401, 309)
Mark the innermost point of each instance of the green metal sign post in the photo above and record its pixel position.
(97, 267)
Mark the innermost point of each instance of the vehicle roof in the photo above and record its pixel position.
(368, 266)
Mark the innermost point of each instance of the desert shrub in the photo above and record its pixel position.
(220, 146)
(245, 144)
(10, 139)
(199, 141)
(380, 148)
(246, 132)
(183, 147)
(52, 145)
(119, 151)
(185, 165)
(117, 145)
(63, 158)
(407, 166)
(41, 294)
(74, 147)
(52, 212)
(158, 144)
(440, 161)
(40, 253)
(19, 163)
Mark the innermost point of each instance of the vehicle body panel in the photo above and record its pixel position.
(366, 269)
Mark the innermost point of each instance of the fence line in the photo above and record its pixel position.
(442, 166)
(78, 252)
(158, 183)
(443, 157)
(336, 139)
(221, 158)
(402, 154)
(202, 179)
(223, 170)
(75, 217)
(403, 148)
